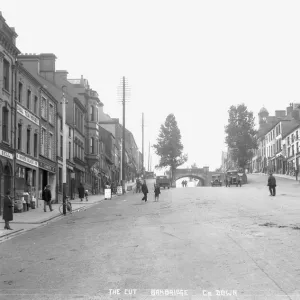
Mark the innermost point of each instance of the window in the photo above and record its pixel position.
(51, 113)
(297, 147)
(297, 135)
(20, 91)
(61, 124)
(50, 145)
(43, 107)
(28, 98)
(288, 140)
(6, 74)
(92, 145)
(43, 141)
(60, 179)
(81, 122)
(69, 150)
(35, 144)
(61, 146)
(293, 150)
(5, 124)
(28, 141)
(19, 137)
(75, 154)
(35, 104)
(92, 113)
(70, 131)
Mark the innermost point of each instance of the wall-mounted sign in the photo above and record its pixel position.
(47, 167)
(28, 115)
(27, 160)
(6, 154)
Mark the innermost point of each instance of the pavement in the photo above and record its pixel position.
(34, 218)
(212, 242)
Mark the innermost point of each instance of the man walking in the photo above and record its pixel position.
(144, 191)
(272, 185)
(81, 191)
(46, 196)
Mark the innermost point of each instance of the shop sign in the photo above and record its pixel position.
(70, 168)
(27, 160)
(6, 154)
(47, 167)
(28, 115)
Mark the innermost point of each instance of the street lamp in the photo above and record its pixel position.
(64, 169)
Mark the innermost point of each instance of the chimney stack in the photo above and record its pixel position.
(62, 73)
(47, 66)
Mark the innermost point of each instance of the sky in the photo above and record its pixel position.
(191, 58)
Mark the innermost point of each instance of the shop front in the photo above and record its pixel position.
(47, 176)
(6, 175)
(79, 177)
(26, 182)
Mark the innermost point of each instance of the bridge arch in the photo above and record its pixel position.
(201, 178)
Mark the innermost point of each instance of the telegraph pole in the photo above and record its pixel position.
(123, 140)
(64, 169)
(143, 144)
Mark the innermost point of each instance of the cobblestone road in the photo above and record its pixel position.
(239, 240)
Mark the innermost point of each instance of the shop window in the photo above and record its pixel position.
(5, 124)
(35, 144)
(6, 74)
(28, 98)
(20, 91)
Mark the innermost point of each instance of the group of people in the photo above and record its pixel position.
(184, 183)
(145, 191)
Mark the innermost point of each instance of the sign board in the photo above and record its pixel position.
(47, 167)
(6, 154)
(119, 190)
(28, 115)
(107, 193)
(27, 160)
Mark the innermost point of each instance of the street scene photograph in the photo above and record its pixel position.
(149, 150)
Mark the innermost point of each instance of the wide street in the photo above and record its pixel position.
(239, 240)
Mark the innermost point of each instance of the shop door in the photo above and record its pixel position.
(7, 179)
(44, 179)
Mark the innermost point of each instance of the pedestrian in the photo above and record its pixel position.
(144, 191)
(81, 192)
(156, 192)
(7, 210)
(86, 194)
(46, 196)
(272, 184)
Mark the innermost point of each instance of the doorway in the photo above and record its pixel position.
(44, 179)
(7, 179)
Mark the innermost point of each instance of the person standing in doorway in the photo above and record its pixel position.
(46, 196)
(272, 185)
(81, 192)
(7, 210)
(144, 191)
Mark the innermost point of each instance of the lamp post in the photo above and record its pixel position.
(64, 169)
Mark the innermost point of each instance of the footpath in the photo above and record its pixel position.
(279, 175)
(34, 218)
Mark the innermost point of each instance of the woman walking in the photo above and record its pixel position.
(144, 191)
(156, 192)
(7, 210)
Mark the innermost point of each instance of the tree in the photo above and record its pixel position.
(240, 138)
(169, 147)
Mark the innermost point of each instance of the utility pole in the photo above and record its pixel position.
(64, 169)
(143, 144)
(123, 140)
(149, 158)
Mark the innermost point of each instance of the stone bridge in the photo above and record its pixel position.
(203, 174)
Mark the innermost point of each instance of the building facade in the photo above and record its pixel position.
(8, 55)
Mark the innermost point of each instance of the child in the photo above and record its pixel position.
(86, 193)
(156, 192)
